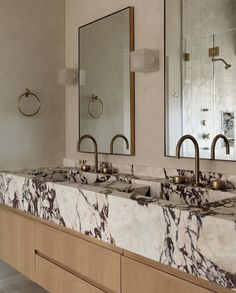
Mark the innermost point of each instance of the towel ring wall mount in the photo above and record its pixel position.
(27, 94)
(98, 101)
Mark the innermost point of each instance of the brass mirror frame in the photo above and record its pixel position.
(166, 84)
(132, 81)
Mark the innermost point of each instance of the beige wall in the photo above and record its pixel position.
(31, 50)
(149, 27)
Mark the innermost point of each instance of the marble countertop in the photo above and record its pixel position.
(200, 240)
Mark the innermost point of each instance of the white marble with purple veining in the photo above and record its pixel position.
(198, 240)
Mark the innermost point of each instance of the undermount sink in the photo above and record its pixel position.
(192, 195)
(105, 181)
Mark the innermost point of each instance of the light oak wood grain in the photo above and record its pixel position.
(56, 280)
(91, 262)
(177, 273)
(17, 242)
(140, 278)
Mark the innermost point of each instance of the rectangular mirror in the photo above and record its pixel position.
(106, 87)
(200, 74)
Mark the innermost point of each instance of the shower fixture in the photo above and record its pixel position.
(227, 65)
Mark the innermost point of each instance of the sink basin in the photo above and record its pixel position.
(74, 175)
(133, 188)
(107, 182)
(47, 174)
(193, 195)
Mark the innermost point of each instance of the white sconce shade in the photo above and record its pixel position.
(67, 76)
(144, 60)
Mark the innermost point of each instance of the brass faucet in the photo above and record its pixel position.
(113, 140)
(213, 145)
(178, 147)
(95, 148)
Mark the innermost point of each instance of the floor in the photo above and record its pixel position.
(13, 282)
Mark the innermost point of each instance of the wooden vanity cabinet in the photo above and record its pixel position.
(140, 278)
(17, 242)
(88, 261)
(56, 280)
(63, 261)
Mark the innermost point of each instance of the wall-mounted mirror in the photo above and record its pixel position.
(106, 84)
(200, 74)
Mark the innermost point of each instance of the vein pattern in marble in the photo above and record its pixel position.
(197, 240)
(193, 195)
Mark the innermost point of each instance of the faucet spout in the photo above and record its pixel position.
(213, 145)
(87, 136)
(113, 140)
(178, 147)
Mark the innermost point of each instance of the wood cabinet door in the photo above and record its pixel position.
(17, 242)
(140, 278)
(98, 265)
(56, 280)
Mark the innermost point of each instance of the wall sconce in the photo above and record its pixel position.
(67, 77)
(144, 60)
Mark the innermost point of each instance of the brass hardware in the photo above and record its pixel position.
(175, 95)
(132, 85)
(206, 136)
(113, 140)
(26, 94)
(95, 148)
(218, 184)
(213, 52)
(85, 168)
(178, 147)
(213, 145)
(93, 100)
(179, 179)
(107, 170)
(131, 98)
(227, 65)
(187, 57)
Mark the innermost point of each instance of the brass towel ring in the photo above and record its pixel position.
(26, 94)
(93, 100)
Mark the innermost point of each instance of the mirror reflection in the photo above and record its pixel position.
(106, 91)
(200, 66)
